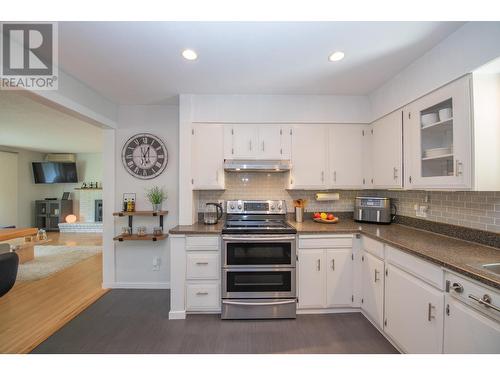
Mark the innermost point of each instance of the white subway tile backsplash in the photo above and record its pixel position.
(479, 210)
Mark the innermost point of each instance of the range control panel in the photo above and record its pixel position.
(256, 207)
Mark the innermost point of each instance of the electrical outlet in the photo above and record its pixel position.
(156, 263)
(421, 210)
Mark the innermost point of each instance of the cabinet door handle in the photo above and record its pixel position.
(201, 263)
(458, 168)
(395, 173)
(429, 312)
(322, 176)
(250, 145)
(485, 301)
(319, 264)
(376, 275)
(216, 176)
(334, 176)
(333, 264)
(201, 293)
(263, 146)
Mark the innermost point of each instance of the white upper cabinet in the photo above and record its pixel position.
(309, 157)
(207, 160)
(346, 156)
(438, 139)
(245, 141)
(387, 151)
(251, 141)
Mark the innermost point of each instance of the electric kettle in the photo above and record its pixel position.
(212, 214)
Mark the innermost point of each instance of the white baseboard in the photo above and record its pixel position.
(128, 285)
(337, 310)
(173, 315)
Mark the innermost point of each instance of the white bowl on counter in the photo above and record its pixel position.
(445, 114)
(429, 118)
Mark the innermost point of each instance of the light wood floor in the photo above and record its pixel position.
(32, 311)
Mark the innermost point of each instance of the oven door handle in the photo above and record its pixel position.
(273, 239)
(259, 303)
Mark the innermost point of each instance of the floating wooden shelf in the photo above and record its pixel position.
(135, 237)
(140, 213)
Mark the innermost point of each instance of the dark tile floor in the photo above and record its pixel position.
(136, 321)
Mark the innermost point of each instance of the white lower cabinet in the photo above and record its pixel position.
(312, 279)
(203, 297)
(339, 277)
(202, 274)
(468, 331)
(372, 300)
(413, 312)
(325, 278)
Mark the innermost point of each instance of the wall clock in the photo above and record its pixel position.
(144, 156)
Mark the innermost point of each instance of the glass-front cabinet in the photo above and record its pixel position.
(438, 145)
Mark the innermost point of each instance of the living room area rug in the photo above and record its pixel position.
(51, 259)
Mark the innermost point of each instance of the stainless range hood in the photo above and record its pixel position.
(231, 165)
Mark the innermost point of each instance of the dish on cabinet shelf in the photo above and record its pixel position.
(445, 114)
(437, 152)
(429, 118)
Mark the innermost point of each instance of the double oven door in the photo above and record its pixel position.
(259, 266)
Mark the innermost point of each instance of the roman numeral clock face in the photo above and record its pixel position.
(144, 156)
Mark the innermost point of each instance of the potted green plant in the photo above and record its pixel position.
(156, 195)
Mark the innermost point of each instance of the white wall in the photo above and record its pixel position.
(486, 95)
(130, 264)
(281, 108)
(8, 188)
(471, 46)
(89, 168)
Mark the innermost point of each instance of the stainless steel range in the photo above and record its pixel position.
(258, 261)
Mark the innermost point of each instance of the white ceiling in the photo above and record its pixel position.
(141, 63)
(27, 124)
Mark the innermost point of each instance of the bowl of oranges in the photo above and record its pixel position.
(325, 217)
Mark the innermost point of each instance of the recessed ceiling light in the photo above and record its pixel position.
(189, 54)
(336, 56)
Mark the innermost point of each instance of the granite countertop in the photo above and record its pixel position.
(198, 228)
(458, 255)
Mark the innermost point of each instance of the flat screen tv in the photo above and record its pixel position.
(54, 173)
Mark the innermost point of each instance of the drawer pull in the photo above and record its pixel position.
(485, 301)
(201, 263)
(376, 275)
(201, 293)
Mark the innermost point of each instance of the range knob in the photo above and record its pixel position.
(240, 207)
(272, 207)
(279, 207)
(232, 206)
